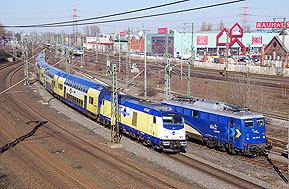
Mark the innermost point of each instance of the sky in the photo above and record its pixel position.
(26, 12)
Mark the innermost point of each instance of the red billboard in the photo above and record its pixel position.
(271, 25)
(122, 33)
(162, 30)
(256, 40)
(202, 40)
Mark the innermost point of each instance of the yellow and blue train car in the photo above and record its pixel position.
(221, 125)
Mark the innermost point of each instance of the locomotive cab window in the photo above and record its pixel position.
(172, 119)
(260, 123)
(195, 113)
(249, 123)
(154, 120)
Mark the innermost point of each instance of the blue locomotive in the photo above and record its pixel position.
(153, 124)
(221, 125)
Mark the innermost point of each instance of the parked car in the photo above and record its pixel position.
(244, 59)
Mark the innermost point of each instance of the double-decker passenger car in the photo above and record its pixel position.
(222, 125)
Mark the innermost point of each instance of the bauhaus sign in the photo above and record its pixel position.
(271, 25)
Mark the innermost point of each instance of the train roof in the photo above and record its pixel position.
(56, 71)
(210, 106)
(147, 104)
(84, 81)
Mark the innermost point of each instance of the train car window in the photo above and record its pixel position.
(179, 109)
(102, 102)
(213, 117)
(260, 123)
(195, 113)
(232, 122)
(249, 123)
(203, 115)
(187, 112)
(223, 120)
(154, 120)
(134, 118)
(90, 100)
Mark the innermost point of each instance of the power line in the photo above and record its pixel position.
(99, 17)
(134, 18)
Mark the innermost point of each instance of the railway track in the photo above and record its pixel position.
(127, 168)
(214, 172)
(34, 159)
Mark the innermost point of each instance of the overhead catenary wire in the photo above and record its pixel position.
(100, 17)
(133, 18)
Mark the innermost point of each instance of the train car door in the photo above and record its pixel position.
(152, 130)
(231, 130)
(85, 101)
(64, 92)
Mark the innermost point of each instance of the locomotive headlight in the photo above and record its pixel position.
(247, 135)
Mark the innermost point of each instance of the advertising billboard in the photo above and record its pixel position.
(256, 40)
(202, 40)
(162, 30)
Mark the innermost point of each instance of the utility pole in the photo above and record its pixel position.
(119, 51)
(44, 71)
(129, 47)
(62, 44)
(192, 61)
(56, 47)
(227, 54)
(96, 48)
(32, 46)
(128, 59)
(67, 53)
(14, 48)
(167, 69)
(107, 61)
(81, 56)
(145, 63)
(114, 108)
(283, 49)
(26, 61)
(288, 143)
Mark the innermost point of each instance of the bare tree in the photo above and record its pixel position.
(210, 27)
(221, 26)
(246, 94)
(204, 26)
(92, 30)
(2, 30)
